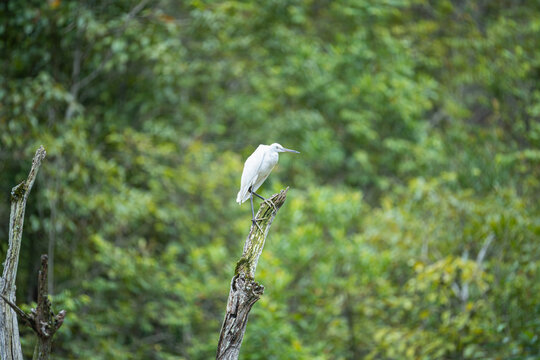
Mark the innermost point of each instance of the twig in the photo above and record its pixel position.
(17, 310)
(463, 291)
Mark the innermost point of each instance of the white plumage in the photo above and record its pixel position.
(257, 168)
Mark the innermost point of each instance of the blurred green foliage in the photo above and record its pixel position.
(411, 230)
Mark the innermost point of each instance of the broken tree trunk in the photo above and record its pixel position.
(10, 346)
(245, 291)
(42, 319)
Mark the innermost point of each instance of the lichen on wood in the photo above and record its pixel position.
(244, 290)
(10, 347)
(254, 244)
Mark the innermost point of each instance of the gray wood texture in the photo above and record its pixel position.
(245, 291)
(10, 346)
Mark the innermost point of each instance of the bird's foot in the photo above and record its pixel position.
(270, 203)
(254, 222)
(263, 218)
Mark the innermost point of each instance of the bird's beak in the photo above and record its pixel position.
(293, 151)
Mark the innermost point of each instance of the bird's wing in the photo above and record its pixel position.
(250, 173)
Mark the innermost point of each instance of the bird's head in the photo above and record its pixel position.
(278, 148)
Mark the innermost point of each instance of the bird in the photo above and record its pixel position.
(256, 169)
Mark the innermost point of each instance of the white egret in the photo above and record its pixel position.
(256, 169)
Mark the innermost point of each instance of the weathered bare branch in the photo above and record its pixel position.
(17, 310)
(244, 290)
(10, 347)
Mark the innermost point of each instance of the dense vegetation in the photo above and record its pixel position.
(412, 227)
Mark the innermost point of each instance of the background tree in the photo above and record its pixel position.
(418, 123)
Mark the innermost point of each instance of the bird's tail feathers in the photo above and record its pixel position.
(242, 196)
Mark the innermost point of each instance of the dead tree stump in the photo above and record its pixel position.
(245, 291)
(42, 320)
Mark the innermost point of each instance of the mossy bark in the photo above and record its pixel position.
(42, 319)
(245, 291)
(43, 349)
(10, 346)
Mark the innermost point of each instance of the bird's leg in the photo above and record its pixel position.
(268, 202)
(252, 211)
(253, 220)
(257, 195)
